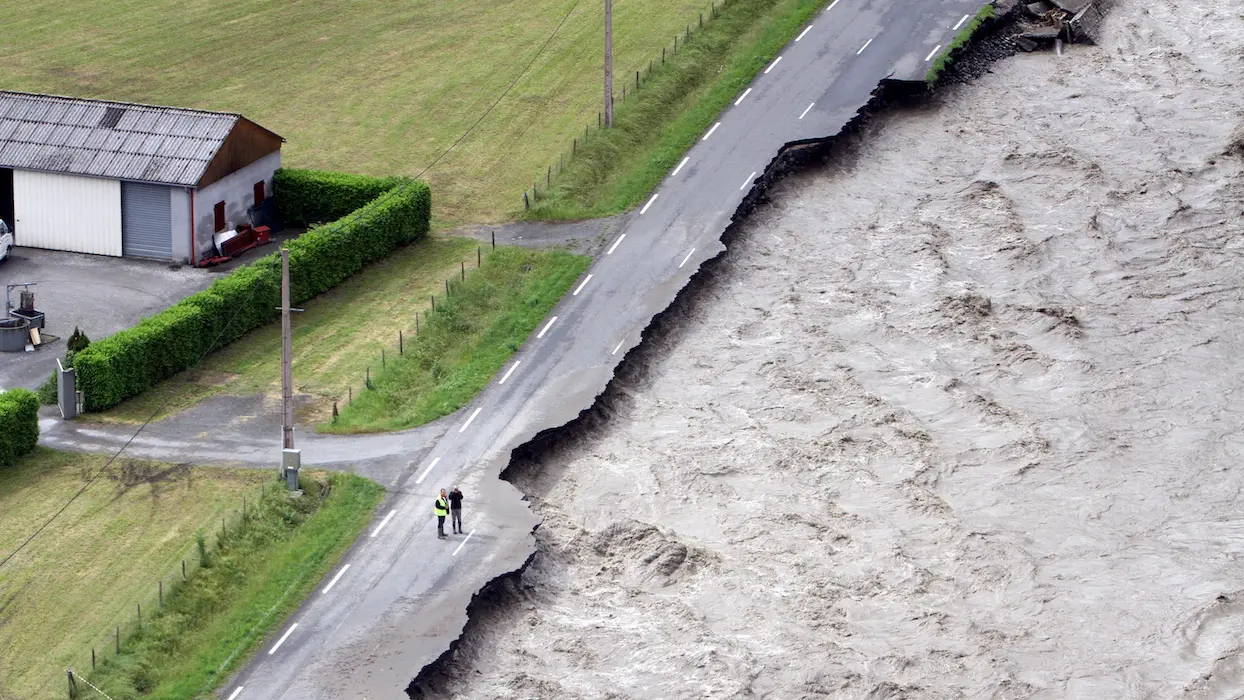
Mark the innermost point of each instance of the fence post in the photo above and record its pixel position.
(637, 75)
(624, 93)
(416, 323)
(92, 658)
(479, 256)
(494, 240)
(382, 360)
(526, 202)
(73, 685)
(161, 605)
(548, 177)
(675, 43)
(349, 395)
(463, 263)
(183, 561)
(662, 55)
(446, 289)
(701, 19)
(433, 303)
(598, 120)
(118, 639)
(401, 343)
(140, 616)
(334, 411)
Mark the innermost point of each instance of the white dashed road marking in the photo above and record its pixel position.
(476, 411)
(235, 693)
(710, 131)
(684, 260)
(380, 527)
(615, 245)
(749, 180)
(931, 53)
(831, 5)
(684, 162)
(738, 101)
(425, 473)
(866, 43)
(468, 539)
(650, 201)
(772, 65)
(805, 31)
(579, 289)
(960, 23)
(332, 583)
(618, 347)
(809, 109)
(282, 639)
(544, 330)
(513, 367)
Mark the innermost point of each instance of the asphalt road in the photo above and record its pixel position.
(399, 598)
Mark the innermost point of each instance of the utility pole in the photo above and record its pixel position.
(287, 358)
(291, 459)
(608, 63)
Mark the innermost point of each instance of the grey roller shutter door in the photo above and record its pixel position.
(146, 221)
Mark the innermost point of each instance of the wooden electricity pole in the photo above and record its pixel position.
(608, 63)
(287, 358)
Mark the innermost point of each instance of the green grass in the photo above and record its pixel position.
(619, 167)
(338, 336)
(259, 574)
(83, 576)
(369, 86)
(946, 57)
(469, 338)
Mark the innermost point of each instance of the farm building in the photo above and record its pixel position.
(121, 179)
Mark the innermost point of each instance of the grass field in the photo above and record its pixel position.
(336, 338)
(370, 86)
(261, 571)
(83, 575)
(620, 167)
(341, 334)
(467, 340)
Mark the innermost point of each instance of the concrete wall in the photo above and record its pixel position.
(236, 191)
(180, 212)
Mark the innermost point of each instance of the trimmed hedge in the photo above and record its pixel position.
(19, 424)
(131, 361)
(314, 196)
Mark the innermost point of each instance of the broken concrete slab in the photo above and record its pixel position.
(1039, 8)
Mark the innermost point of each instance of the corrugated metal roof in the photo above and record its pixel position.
(68, 135)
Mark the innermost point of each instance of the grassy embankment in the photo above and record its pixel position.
(620, 167)
(431, 70)
(466, 341)
(962, 39)
(83, 576)
(341, 334)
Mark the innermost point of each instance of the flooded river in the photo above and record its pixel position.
(958, 416)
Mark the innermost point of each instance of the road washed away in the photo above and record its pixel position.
(956, 417)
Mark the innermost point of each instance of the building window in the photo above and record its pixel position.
(259, 193)
(219, 212)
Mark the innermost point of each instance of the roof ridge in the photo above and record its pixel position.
(121, 104)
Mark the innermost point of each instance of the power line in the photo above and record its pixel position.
(505, 92)
(150, 418)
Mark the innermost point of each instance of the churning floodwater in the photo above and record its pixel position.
(958, 416)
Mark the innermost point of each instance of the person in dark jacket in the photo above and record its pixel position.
(441, 508)
(455, 510)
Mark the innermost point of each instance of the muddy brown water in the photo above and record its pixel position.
(957, 417)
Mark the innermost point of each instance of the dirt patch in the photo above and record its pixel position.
(980, 446)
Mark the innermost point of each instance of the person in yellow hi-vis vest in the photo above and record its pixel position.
(441, 509)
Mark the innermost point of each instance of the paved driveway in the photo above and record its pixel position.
(98, 294)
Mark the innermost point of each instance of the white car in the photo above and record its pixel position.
(6, 240)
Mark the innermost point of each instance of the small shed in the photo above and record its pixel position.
(125, 179)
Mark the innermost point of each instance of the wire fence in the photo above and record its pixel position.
(152, 602)
(422, 319)
(629, 90)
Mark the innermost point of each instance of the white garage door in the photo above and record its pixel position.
(65, 212)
